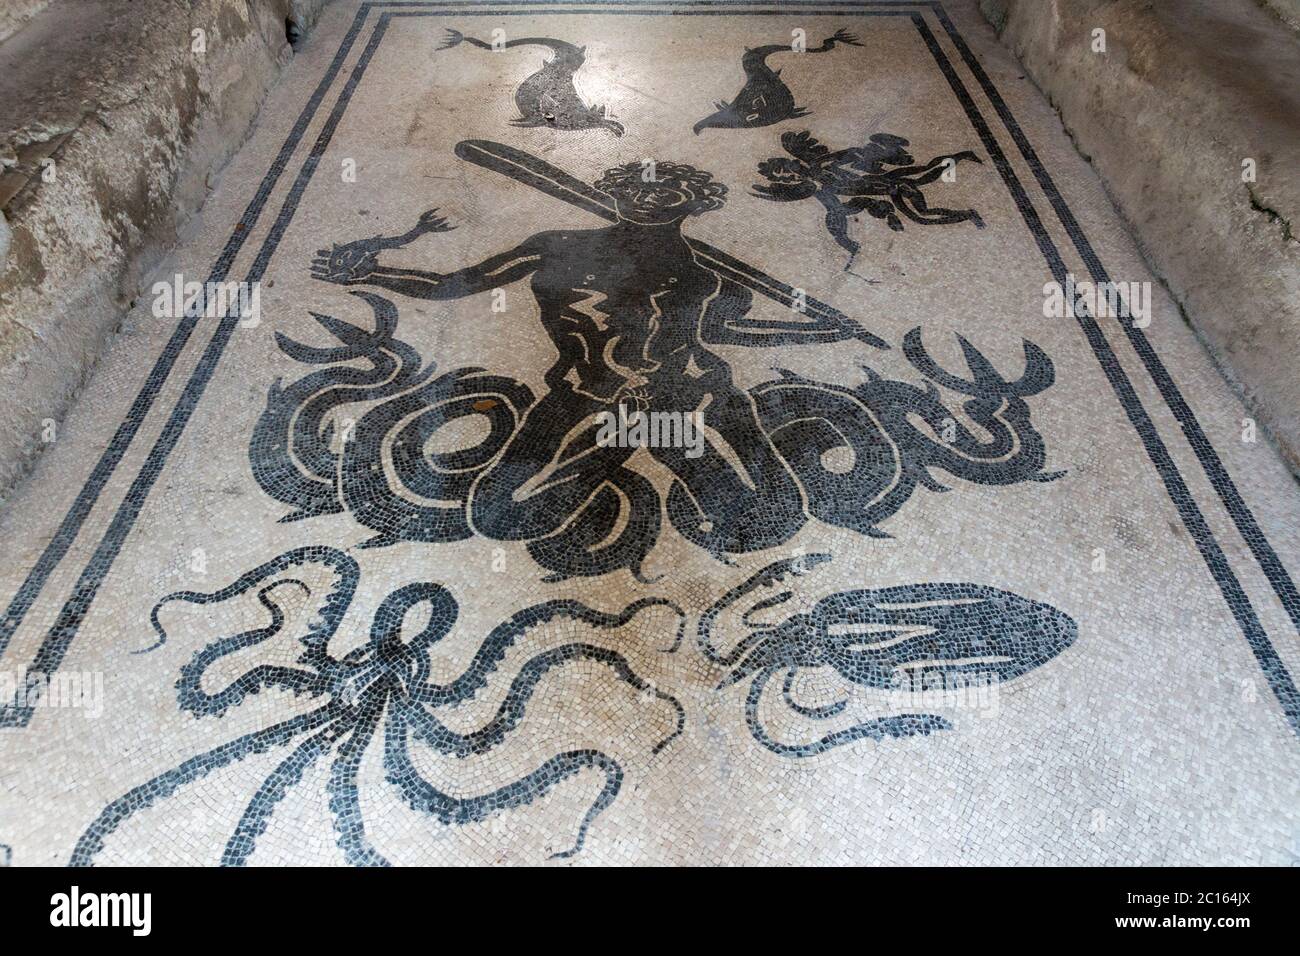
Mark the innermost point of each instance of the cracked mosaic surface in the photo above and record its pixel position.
(355, 580)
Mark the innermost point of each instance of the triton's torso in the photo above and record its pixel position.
(621, 305)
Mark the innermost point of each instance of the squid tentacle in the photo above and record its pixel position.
(816, 713)
(898, 725)
(771, 575)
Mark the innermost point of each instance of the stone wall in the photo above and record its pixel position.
(1288, 10)
(112, 126)
(14, 15)
(1183, 95)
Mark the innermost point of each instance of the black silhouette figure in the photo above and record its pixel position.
(765, 99)
(633, 311)
(548, 97)
(849, 181)
(429, 222)
(632, 315)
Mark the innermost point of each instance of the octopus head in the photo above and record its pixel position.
(399, 645)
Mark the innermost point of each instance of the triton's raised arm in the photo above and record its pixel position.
(355, 264)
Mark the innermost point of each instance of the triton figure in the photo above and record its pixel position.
(632, 314)
(634, 310)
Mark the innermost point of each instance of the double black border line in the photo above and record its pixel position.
(68, 529)
(52, 649)
(55, 645)
(1275, 672)
(1209, 459)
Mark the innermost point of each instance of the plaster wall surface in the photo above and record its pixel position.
(1191, 117)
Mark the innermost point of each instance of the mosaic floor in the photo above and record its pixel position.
(643, 439)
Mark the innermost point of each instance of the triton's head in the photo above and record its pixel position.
(675, 192)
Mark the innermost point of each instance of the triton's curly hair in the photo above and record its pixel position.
(675, 184)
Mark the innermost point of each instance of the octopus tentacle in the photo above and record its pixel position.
(433, 732)
(423, 797)
(493, 650)
(193, 698)
(168, 782)
(346, 575)
(613, 781)
(287, 774)
(345, 801)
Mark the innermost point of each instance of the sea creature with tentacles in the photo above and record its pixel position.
(382, 687)
(911, 636)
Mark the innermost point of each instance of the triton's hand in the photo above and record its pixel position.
(348, 264)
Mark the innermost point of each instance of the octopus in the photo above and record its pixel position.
(381, 691)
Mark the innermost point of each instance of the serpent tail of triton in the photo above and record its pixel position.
(387, 479)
